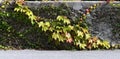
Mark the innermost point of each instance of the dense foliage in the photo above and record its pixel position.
(21, 29)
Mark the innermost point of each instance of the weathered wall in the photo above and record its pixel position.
(101, 21)
(75, 4)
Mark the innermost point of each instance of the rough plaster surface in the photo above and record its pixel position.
(33, 54)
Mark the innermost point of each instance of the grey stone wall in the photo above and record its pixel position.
(75, 4)
(99, 26)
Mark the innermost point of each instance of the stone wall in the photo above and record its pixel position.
(101, 21)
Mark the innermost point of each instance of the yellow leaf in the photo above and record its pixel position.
(80, 33)
(84, 30)
(40, 24)
(87, 36)
(48, 24)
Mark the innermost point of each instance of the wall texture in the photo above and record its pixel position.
(101, 20)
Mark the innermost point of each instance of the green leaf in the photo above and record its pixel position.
(71, 27)
(51, 29)
(55, 36)
(47, 23)
(59, 18)
(80, 33)
(94, 45)
(16, 9)
(61, 38)
(32, 22)
(82, 45)
(67, 21)
(99, 42)
(87, 36)
(44, 28)
(27, 13)
(40, 24)
(106, 44)
(3, 6)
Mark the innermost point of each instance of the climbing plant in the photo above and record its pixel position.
(60, 29)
